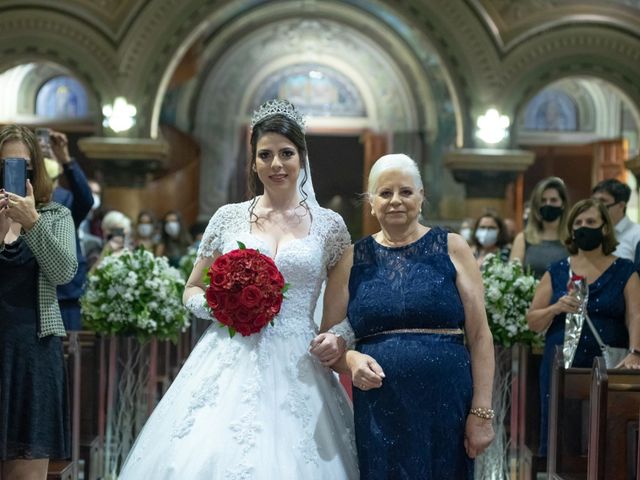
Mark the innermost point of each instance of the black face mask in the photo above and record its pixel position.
(549, 213)
(588, 239)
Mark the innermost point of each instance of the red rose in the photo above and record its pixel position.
(250, 296)
(242, 316)
(219, 279)
(232, 302)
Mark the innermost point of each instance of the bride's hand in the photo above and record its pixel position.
(366, 373)
(328, 348)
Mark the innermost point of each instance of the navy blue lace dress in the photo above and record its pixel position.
(606, 308)
(413, 426)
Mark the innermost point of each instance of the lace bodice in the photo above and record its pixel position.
(304, 262)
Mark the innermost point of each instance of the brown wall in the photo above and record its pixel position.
(176, 189)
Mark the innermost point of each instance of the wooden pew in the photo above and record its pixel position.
(60, 470)
(80, 351)
(567, 446)
(613, 422)
(593, 422)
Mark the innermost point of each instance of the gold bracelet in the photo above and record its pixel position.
(486, 413)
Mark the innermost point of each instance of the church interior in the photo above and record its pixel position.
(489, 97)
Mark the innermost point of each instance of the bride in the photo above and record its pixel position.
(259, 407)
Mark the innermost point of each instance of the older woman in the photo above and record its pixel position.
(422, 402)
(540, 243)
(37, 253)
(614, 297)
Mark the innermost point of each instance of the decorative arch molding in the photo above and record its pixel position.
(32, 35)
(512, 22)
(599, 108)
(578, 51)
(228, 88)
(413, 51)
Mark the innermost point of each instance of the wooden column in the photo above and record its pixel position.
(375, 146)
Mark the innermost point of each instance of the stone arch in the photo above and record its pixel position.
(149, 72)
(602, 54)
(223, 97)
(20, 86)
(33, 35)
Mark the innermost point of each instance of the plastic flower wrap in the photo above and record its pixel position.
(135, 293)
(508, 291)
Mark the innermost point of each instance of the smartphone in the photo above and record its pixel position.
(43, 134)
(14, 176)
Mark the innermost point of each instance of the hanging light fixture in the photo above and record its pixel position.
(492, 127)
(120, 116)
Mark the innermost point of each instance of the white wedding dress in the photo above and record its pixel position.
(258, 407)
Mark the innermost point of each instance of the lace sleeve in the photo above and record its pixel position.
(212, 239)
(338, 238)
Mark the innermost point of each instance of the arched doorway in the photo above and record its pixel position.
(582, 129)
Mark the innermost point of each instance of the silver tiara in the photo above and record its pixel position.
(277, 107)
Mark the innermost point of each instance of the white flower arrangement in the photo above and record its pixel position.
(508, 291)
(135, 293)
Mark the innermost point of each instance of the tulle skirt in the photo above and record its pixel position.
(257, 407)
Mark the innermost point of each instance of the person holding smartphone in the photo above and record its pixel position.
(77, 196)
(37, 253)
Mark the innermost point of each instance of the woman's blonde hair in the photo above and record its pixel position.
(534, 223)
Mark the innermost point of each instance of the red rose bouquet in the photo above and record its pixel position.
(245, 290)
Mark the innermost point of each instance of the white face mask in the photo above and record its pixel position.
(466, 233)
(145, 230)
(96, 201)
(487, 236)
(172, 229)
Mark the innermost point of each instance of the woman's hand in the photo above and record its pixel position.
(567, 304)
(365, 371)
(328, 348)
(59, 147)
(478, 434)
(630, 361)
(23, 209)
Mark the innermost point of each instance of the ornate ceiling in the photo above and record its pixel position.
(475, 52)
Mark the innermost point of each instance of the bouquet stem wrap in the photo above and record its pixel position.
(574, 322)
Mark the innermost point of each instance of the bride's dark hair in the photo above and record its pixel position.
(288, 128)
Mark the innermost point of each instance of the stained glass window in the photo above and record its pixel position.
(62, 97)
(551, 110)
(315, 90)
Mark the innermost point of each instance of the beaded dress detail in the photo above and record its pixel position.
(413, 426)
(259, 407)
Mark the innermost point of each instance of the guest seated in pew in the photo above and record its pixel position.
(37, 253)
(613, 302)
